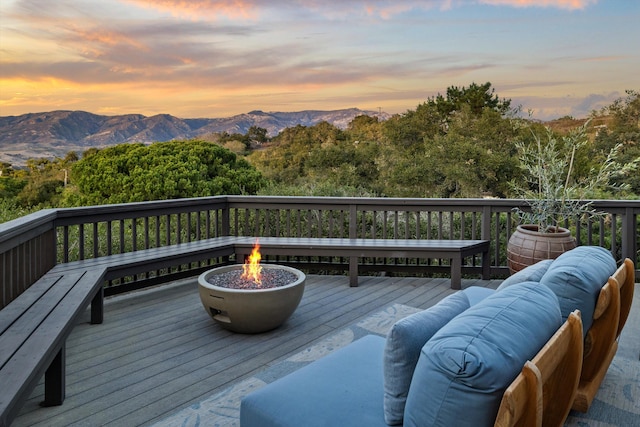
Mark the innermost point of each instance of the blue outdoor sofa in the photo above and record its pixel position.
(452, 363)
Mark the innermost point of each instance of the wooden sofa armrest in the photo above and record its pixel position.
(522, 402)
(600, 346)
(625, 276)
(543, 392)
(602, 333)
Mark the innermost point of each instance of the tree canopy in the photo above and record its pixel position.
(476, 97)
(168, 170)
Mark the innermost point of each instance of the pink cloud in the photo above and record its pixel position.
(560, 4)
(385, 9)
(206, 9)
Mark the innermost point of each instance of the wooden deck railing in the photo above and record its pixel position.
(31, 245)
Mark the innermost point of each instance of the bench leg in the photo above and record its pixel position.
(97, 307)
(486, 266)
(456, 272)
(54, 380)
(353, 271)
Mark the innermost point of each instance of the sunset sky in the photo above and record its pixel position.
(207, 58)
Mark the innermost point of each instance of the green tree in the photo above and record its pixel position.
(257, 134)
(6, 169)
(10, 209)
(476, 97)
(434, 116)
(168, 170)
(479, 155)
(458, 145)
(287, 160)
(411, 128)
(474, 158)
(623, 130)
(46, 180)
(10, 186)
(364, 128)
(11, 183)
(322, 154)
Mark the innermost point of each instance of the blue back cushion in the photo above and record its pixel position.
(405, 340)
(576, 278)
(464, 369)
(533, 273)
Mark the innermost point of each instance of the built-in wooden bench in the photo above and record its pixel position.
(454, 250)
(33, 331)
(34, 327)
(141, 261)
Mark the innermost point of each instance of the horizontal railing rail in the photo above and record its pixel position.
(31, 245)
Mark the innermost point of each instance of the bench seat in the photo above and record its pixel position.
(454, 250)
(33, 332)
(122, 264)
(118, 265)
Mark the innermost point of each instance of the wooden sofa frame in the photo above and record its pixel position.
(567, 372)
(542, 394)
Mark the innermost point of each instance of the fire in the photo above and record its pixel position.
(253, 270)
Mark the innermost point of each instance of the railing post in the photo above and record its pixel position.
(628, 235)
(485, 232)
(226, 221)
(27, 251)
(353, 221)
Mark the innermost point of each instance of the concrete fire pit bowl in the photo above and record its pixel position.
(250, 311)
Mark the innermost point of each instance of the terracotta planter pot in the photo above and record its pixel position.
(528, 246)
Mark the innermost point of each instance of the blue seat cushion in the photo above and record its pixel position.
(464, 369)
(341, 389)
(405, 340)
(532, 273)
(576, 277)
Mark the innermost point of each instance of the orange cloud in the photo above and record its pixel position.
(603, 58)
(208, 9)
(95, 43)
(106, 37)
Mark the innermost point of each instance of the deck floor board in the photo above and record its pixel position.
(158, 351)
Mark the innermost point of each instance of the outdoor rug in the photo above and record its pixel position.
(616, 404)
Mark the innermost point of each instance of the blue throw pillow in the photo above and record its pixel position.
(464, 369)
(405, 340)
(533, 273)
(576, 277)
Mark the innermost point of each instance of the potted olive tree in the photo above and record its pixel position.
(554, 195)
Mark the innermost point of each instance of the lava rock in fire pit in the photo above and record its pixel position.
(271, 278)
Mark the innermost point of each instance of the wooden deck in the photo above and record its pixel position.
(158, 351)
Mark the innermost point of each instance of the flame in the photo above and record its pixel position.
(252, 270)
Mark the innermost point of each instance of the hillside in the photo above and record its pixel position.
(53, 134)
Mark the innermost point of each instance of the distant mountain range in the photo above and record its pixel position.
(54, 134)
